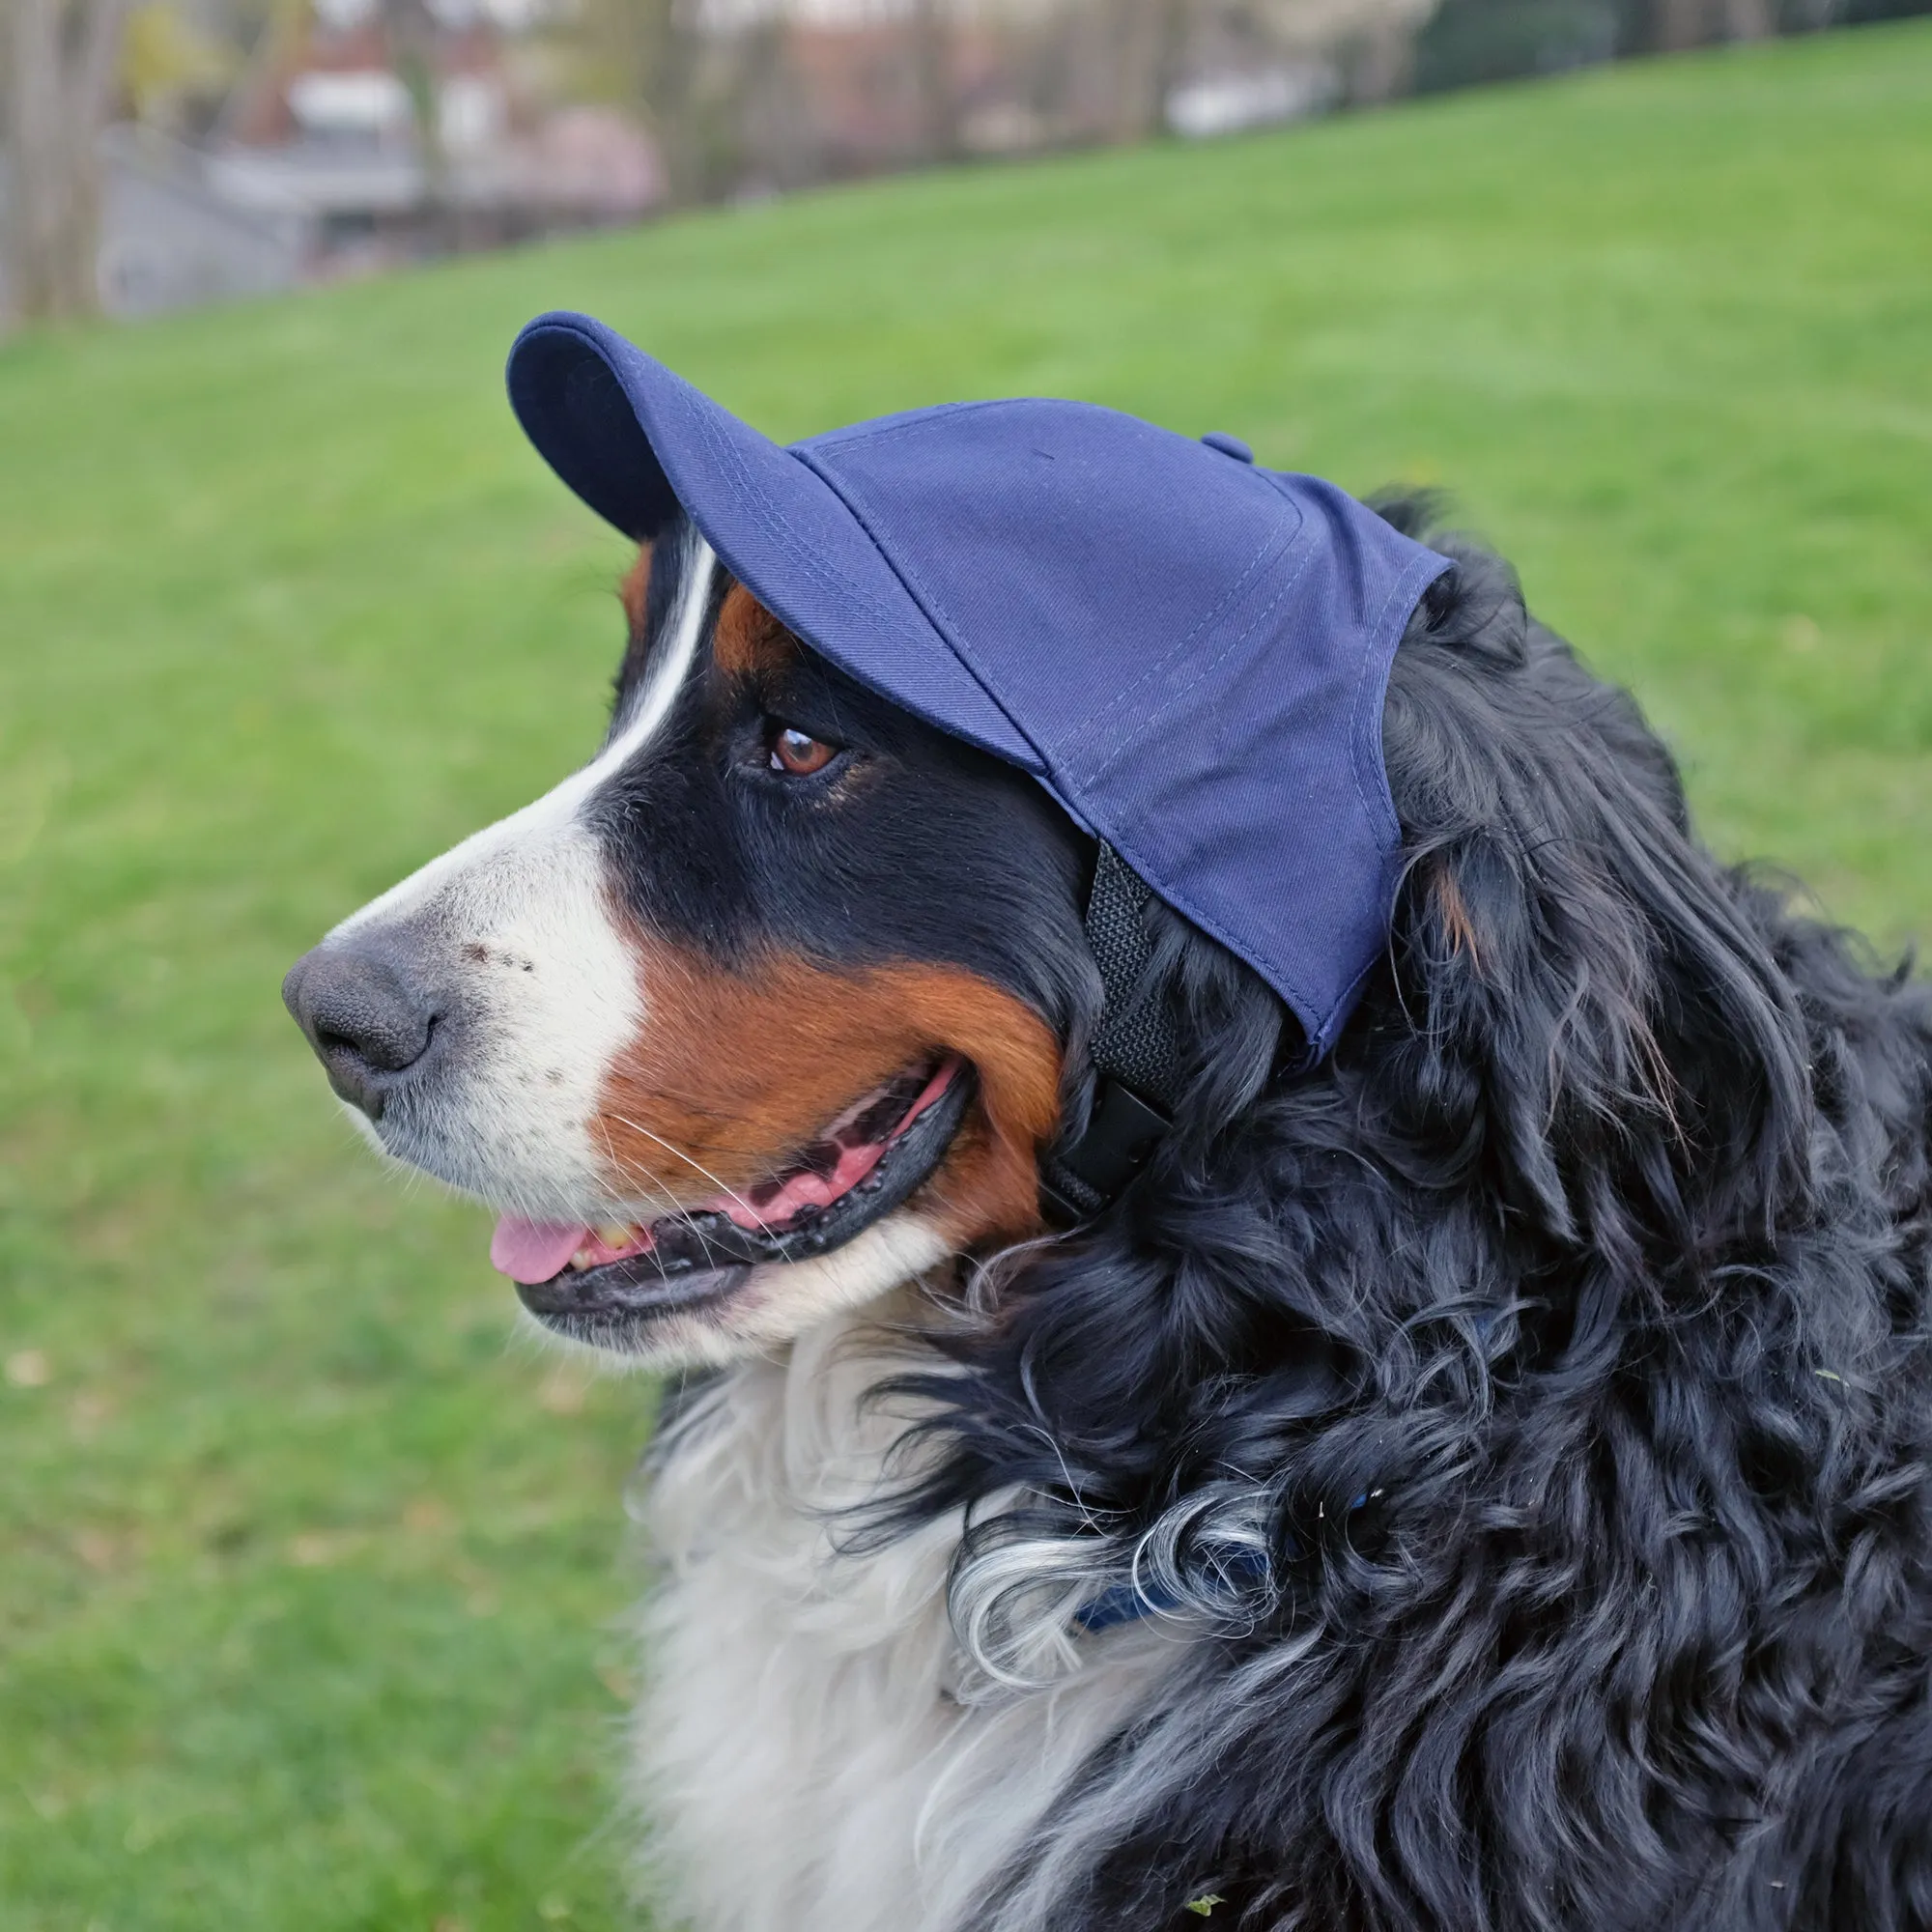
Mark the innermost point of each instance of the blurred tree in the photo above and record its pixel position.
(413, 35)
(1149, 41)
(170, 65)
(933, 79)
(1675, 24)
(60, 63)
(1853, 13)
(653, 55)
(1471, 42)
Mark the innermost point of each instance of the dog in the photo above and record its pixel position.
(1477, 1480)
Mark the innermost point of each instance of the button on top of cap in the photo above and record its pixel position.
(1229, 445)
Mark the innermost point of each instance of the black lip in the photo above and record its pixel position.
(702, 1258)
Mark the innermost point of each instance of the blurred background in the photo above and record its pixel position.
(165, 153)
(314, 1584)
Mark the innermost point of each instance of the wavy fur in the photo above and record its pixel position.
(1596, 1261)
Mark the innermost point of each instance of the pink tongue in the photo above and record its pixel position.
(532, 1251)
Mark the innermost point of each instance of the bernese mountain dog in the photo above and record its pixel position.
(1478, 1483)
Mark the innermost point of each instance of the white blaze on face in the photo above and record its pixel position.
(514, 925)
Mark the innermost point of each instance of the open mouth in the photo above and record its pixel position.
(582, 1280)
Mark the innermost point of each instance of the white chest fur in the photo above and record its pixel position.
(813, 1752)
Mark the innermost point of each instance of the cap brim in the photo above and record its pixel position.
(638, 443)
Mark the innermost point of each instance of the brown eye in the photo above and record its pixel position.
(798, 753)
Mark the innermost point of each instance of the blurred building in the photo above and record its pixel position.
(326, 135)
(355, 134)
(778, 93)
(324, 160)
(168, 240)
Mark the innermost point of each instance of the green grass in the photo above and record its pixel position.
(310, 1600)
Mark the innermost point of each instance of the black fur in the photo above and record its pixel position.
(1536, 1394)
(1598, 1259)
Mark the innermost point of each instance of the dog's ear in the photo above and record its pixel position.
(1584, 1000)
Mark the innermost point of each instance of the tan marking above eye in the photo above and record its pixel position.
(798, 753)
(749, 642)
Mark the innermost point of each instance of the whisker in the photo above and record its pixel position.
(672, 1206)
(647, 1174)
(730, 1193)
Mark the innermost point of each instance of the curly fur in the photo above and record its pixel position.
(1512, 1433)
(1526, 1412)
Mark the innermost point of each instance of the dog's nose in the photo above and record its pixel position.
(367, 1023)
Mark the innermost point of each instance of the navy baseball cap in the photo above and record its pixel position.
(1189, 652)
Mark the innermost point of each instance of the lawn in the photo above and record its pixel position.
(314, 1583)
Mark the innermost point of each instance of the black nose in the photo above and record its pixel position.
(367, 1023)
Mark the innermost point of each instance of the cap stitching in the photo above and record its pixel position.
(794, 546)
(911, 420)
(813, 566)
(929, 606)
(916, 587)
(851, 494)
(1365, 761)
(1108, 759)
(1272, 544)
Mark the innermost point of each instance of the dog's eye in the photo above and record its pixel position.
(797, 752)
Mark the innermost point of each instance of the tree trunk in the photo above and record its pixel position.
(932, 78)
(1146, 38)
(60, 74)
(1378, 65)
(671, 57)
(413, 38)
(1677, 24)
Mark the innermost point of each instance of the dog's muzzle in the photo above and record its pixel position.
(371, 1025)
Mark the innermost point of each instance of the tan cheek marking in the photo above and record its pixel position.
(735, 1071)
(749, 642)
(989, 1184)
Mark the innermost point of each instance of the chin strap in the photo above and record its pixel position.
(1133, 1053)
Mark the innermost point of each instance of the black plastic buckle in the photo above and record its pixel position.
(1121, 1133)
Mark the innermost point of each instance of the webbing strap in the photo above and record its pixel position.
(1135, 1039)
(1134, 1053)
